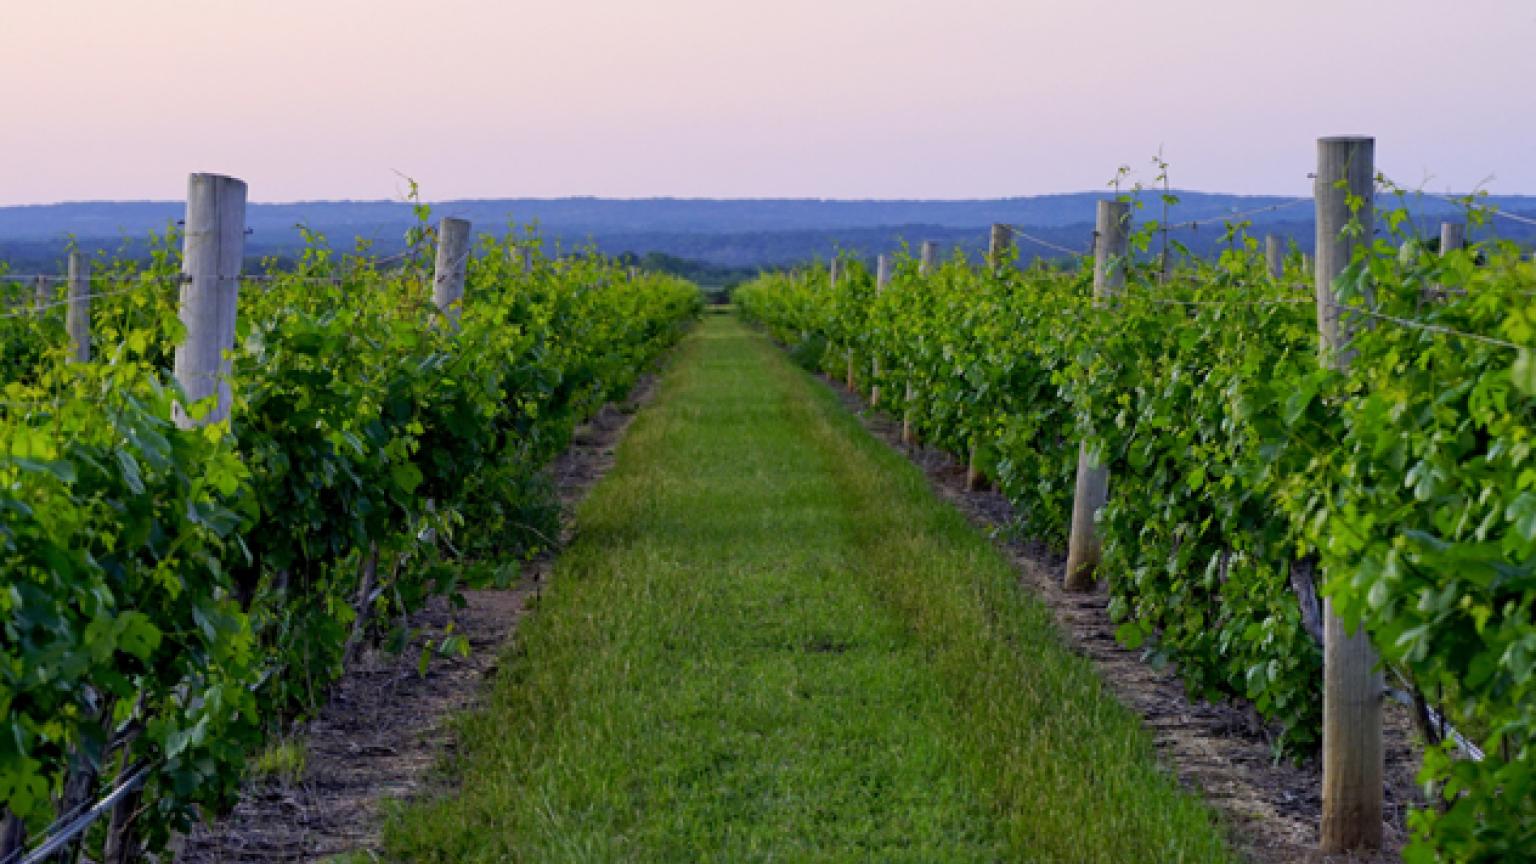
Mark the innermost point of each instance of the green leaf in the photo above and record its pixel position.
(137, 635)
(406, 476)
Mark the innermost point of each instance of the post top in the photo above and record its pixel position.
(207, 177)
(1345, 139)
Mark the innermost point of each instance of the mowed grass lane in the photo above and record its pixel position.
(771, 642)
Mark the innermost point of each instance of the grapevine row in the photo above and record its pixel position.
(1242, 472)
(177, 589)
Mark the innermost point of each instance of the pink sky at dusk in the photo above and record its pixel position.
(311, 99)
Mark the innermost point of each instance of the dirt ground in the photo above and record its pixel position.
(1220, 751)
(387, 726)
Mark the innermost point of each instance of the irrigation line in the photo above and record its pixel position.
(61, 832)
(1465, 745)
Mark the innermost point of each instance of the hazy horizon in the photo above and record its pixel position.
(830, 100)
(679, 198)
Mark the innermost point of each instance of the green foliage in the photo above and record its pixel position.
(1428, 523)
(1234, 458)
(173, 595)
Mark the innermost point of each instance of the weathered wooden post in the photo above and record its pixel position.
(40, 292)
(213, 247)
(835, 272)
(77, 320)
(999, 243)
(1453, 236)
(449, 269)
(927, 261)
(1352, 683)
(882, 279)
(448, 275)
(1111, 244)
(212, 251)
(1274, 255)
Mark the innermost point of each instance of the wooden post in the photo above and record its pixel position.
(1352, 683)
(1110, 248)
(1453, 235)
(451, 265)
(973, 476)
(13, 834)
(1274, 256)
(40, 293)
(77, 320)
(213, 247)
(882, 279)
(928, 260)
(998, 244)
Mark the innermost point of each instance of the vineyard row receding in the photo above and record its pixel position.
(215, 489)
(1299, 478)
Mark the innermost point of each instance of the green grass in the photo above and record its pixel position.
(283, 760)
(772, 643)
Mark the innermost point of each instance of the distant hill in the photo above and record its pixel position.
(735, 233)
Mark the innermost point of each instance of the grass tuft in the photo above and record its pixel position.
(283, 760)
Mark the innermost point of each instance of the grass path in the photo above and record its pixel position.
(771, 642)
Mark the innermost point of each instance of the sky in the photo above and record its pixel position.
(338, 99)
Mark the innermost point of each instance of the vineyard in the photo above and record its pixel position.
(1255, 496)
(186, 575)
(1304, 483)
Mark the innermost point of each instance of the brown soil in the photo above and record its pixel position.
(1221, 751)
(387, 726)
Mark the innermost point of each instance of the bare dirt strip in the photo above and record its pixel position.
(387, 725)
(1222, 751)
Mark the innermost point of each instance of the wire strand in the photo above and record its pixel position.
(1275, 301)
(62, 832)
(1466, 203)
(32, 311)
(1019, 232)
(1430, 328)
(1237, 216)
